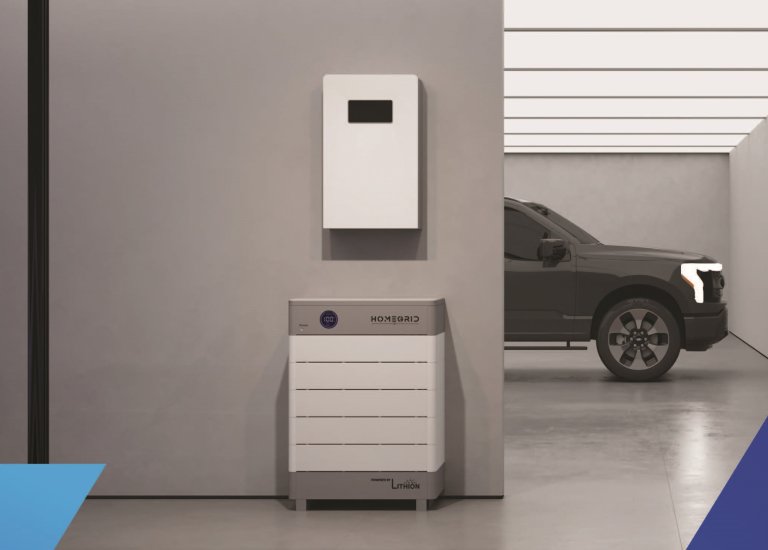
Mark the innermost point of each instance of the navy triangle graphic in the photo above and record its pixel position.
(739, 518)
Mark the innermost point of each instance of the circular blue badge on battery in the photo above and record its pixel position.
(329, 319)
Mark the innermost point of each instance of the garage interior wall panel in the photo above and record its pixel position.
(678, 202)
(187, 155)
(748, 291)
(13, 231)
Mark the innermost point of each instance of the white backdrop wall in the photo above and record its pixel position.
(748, 290)
(679, 202)
(13, 231)
(186, 211)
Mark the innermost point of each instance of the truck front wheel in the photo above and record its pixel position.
(638, 339)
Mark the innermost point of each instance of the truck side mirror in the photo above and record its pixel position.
(552, 249)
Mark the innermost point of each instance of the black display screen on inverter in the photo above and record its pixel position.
(369, 111)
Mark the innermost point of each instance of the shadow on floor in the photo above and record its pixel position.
(678, 373)
(371, 504)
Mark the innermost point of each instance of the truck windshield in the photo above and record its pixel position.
(582, 236)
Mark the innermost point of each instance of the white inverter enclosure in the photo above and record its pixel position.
(370, 151)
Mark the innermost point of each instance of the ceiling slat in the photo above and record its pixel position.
(627, 140)
(649, 14)
(614, 150)
(644, 107)
(635, 83)
(648, 50)
(648, 125)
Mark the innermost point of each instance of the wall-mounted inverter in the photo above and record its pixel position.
(367, 413)
(370, 151)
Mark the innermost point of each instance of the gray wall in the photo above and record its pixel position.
(657, 200)
(13, 231)
(186, 187)
(749, 228)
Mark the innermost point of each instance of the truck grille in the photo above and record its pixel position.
(714, 282)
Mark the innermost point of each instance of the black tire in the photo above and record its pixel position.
(638, 339)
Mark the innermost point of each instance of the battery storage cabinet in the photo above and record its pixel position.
(367, 406)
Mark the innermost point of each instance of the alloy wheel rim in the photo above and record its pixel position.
(638, 339)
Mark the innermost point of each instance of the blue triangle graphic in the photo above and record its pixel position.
(38, 502)
(739, 517)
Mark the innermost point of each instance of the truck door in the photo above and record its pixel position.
(539, 296)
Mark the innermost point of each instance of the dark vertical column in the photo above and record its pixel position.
(37, 128)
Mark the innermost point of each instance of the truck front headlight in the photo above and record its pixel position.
(690, 275)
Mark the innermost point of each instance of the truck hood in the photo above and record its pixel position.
(617, 252)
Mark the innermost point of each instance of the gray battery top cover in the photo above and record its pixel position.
(366, 316)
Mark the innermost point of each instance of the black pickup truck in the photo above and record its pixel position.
(640, 305)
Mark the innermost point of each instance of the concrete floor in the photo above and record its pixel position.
(591, 463)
